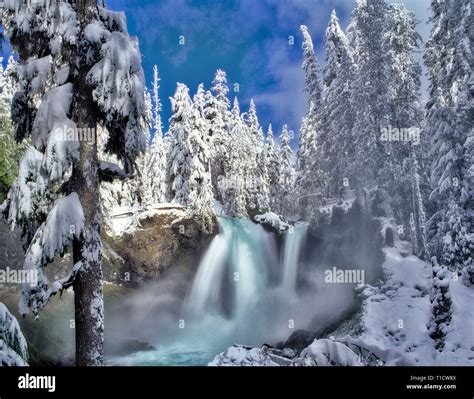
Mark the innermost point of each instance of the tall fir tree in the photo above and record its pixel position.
(370, 96)
(449, 123)
(274, 168)
(217, 111)
(235, 187)
(255, 181)
(65, 56)
(286, 192)
(309, 177)
(338, 113)
(155, 168)
(179, 158)
(405, 165)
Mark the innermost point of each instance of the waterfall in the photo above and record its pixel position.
(294, 240)
(205, 291)
(239, 267)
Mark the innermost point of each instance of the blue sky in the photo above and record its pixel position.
(249, 39)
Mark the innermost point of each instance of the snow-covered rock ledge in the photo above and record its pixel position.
(272, 222)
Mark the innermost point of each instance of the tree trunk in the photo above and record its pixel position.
(88, 297)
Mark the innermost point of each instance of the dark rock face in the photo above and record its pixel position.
(299, 340)
(159, 242)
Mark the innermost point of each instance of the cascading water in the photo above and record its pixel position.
(240, 258)
(294, 241)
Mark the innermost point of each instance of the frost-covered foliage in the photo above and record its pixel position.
(77, 69)
(234, 187)
(119, 86)
(440, 305)
(338, 114)
(10, 151)
(286, 193)
(370, 91)
(155, 167)
(65, 221)
(217, 113)
(274, 168)
(188, 171)
(13, 347)
(257, 180)
(449, 123)
(309, 175)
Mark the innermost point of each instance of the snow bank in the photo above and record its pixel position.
(395, 316)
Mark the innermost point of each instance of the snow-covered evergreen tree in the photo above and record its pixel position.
(449, 124)
(234, 186)
(13, 346)
(309, 176)
(179, 158)
(156, 156)
(405, 164)
(189, 175)
(286, 192)
(311, 69)
(10, 151)
(262, 181)
(274, 168)
(370, 95)
(338, 115)
(217, 113)
(84, 67)
(440, 299)
(201, 197)
(255, 180)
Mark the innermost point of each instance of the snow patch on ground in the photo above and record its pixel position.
(396, 314)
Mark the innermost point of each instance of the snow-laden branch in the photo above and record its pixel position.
(64, 222)
(13, 347)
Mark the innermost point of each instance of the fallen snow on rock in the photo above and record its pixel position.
(326, 352)
(126, 219)
(273, 221)
(239, 355)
